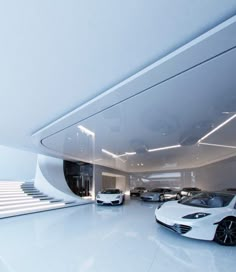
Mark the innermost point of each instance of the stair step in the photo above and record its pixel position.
(20, 211)
(16, 206)
(19, 198)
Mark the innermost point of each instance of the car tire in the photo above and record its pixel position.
(161, 198)
(226, 232)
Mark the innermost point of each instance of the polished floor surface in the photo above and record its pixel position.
(104, 239)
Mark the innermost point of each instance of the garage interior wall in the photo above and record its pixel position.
(108, 182)
(115, 178)
(217, 176)
(121, 184)
(118, 182)
(173, 179)
(16, 164)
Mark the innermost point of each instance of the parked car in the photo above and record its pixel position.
(159, 194)
(231, 190)
(137, 191)
(110, 196)
(187, 191)
(206, 216)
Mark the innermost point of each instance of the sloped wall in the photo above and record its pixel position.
(50, 179)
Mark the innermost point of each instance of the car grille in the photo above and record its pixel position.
(115, 202)
(181, 229)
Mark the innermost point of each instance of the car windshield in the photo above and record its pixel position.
(157, 190)
(111, 191)
(208, 200)
(191, 189)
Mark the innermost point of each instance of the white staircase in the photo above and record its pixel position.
(19, 198)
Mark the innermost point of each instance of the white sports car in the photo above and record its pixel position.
(110, 197)
(206, 216)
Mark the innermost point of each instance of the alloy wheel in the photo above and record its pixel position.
(226, 232)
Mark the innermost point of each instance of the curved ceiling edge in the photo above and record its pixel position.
(187, 57)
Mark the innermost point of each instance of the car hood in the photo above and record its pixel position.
(150, 194)
(175, 210)
(109, 196)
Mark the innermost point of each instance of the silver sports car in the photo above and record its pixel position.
(159, 194)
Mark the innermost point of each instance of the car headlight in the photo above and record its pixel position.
(98, 196)
(196, 215)
(118, 197)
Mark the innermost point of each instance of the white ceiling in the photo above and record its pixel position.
(64, 63)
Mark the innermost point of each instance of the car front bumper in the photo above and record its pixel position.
(106, 202)
(197, 229)
(148, 198)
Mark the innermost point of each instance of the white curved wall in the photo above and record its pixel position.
(50, 179)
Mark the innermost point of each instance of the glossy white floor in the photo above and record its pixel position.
(104, 239)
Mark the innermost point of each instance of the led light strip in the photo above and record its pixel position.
(109, 153)
(217, 128)
(163, 148)
(33, 208)
(118, 156)
(218, 145)
(126, 154)
(86, 131)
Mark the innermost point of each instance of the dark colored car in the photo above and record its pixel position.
(187, 191)
(137, 191)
